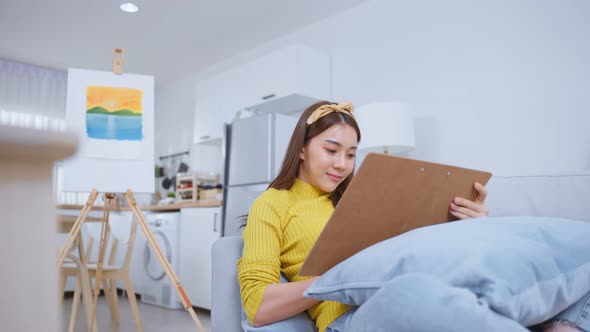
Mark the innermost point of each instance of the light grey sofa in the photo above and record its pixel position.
(558, 195)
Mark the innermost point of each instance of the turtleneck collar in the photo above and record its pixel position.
(307, 190)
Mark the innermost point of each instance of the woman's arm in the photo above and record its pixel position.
(264, 298)
(283, 300)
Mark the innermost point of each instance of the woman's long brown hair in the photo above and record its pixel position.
(301, 136)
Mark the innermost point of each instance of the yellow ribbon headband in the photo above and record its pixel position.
(323, 110)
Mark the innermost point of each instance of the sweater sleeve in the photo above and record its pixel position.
(260, 264)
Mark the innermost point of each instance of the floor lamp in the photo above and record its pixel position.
(385, 127)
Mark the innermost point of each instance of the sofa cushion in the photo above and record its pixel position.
(525, 268)
(225, 290)
(563, 195)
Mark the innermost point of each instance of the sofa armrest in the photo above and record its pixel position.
(226, 306)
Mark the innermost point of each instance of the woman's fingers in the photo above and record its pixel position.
(467, 203)
(458, 214)
(479, 208)
(482, 192)
(463, 208)
(467, 212)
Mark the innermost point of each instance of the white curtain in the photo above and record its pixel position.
(32, 96)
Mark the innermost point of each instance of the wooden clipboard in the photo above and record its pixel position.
(389, 196)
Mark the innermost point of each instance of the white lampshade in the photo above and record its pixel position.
(385, 127)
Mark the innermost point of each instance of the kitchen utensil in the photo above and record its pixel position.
(182, 168)
(166, 183)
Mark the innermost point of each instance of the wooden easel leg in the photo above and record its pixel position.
(133, 302)
(104, 238)
(73, 235)
(84, 282)
(75, 304)
(163, 261)
(108, 294)
(81, 261)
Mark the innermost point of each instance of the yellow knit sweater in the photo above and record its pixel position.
(282, 227)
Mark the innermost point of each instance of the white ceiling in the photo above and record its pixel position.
(166, 38)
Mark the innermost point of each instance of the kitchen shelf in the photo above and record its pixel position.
(183, 193)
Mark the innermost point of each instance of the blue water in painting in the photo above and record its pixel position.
(121, 128)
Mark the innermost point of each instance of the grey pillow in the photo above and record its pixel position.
(525, 268)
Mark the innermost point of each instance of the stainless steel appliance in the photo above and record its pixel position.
(256, 147)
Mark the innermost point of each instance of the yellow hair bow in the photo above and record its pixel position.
(344, 107)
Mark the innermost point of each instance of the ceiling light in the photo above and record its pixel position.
(129, 7)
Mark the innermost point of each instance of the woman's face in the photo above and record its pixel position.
(328, 158)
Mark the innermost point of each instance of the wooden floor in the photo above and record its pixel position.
(154, 319)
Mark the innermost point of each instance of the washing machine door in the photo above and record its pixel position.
(151, 264)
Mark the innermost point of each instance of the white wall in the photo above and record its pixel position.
(495, 85)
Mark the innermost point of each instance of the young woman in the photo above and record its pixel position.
(286, 220)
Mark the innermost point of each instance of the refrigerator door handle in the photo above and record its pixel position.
(215, 222)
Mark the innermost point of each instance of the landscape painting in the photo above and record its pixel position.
(114, 113)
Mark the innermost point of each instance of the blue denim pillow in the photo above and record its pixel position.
(298, 323)
(525, 268)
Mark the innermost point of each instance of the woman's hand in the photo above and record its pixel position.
(463, 208)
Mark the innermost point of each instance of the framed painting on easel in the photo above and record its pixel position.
(114, 116)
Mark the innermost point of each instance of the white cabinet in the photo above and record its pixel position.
(284, 81)
(288, 80)
(199, 228)
(207, 120)
(218, 99)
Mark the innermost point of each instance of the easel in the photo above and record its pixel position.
(109, 204)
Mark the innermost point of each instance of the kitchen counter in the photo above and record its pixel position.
(156, 208)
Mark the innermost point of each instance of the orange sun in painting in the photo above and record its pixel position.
(114, 99)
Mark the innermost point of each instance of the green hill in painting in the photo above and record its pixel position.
(125, 112)
(97, 110)
(122, 112)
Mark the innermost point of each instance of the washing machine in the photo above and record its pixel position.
(155, 286)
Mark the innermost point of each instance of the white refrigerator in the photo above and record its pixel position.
(256, 147)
